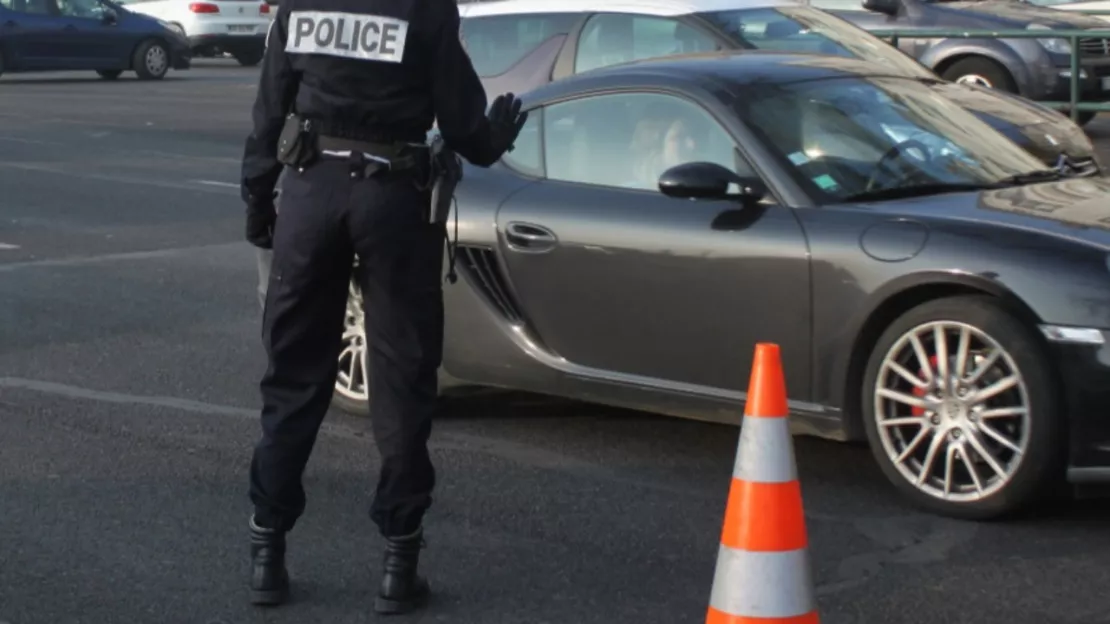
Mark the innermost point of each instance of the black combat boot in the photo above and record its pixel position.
(269, 578)
(402, 589)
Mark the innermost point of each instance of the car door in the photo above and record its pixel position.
(91, 37)
(29, 34)
(614, 276)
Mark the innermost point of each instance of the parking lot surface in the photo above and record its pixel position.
(129, 361)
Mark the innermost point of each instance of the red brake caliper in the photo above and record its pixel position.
(920, 392)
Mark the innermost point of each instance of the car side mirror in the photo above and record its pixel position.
(108, 15)
(705, 180)
(886, 7)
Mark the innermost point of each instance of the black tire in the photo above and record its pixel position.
(142, 64)
(1043, 462)
(249, 58)
(989, 70)
(350, 406)
(109, 74)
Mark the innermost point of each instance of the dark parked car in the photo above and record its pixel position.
(521, 44)
(935, 289)
(1038, 69)
(98, 35)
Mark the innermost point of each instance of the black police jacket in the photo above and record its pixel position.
(374, 70)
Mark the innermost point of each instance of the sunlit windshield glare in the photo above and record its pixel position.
(844, 136)
(803, 29)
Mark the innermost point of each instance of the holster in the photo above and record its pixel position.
(297, 145)
(445, 173)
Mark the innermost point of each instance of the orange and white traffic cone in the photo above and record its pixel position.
(763, 571)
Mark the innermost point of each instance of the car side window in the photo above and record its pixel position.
(612, 38)
(527, 154)
(80, 8)
(31, 7)
(627, 140)
(497, 42)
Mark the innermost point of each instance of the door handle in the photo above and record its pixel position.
(70, 28)
(10, 24)
(529, 237)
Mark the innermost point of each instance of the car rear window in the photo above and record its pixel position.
(496, 42)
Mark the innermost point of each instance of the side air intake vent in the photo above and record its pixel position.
(481, 264)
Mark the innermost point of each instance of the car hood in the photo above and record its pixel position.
(1022, 14)
(1074, 208)
(1040, 130)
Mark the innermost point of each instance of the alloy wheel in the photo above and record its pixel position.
(351, 381)
(975, 79)
(952, 411)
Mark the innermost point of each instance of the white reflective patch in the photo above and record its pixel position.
(771, 585)
(347, 35)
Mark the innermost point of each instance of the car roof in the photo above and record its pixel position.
(735, 69)
(641, 7)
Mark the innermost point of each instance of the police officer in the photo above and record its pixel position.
(348, 92)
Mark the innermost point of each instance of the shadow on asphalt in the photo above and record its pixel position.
(855, 471)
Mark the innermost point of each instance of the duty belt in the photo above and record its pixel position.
(391, 156)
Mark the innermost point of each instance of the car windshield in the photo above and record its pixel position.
(857, 138)
(805, 29)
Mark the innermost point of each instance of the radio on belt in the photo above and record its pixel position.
(349, 35)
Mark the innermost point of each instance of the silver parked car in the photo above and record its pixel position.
(1039, 69)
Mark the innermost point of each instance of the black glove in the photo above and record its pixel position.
(261, 217)
(505, 120)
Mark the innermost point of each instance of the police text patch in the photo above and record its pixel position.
(347, 35)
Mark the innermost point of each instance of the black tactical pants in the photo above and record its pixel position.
(327, 216)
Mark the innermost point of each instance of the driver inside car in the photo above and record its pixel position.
(663, 138)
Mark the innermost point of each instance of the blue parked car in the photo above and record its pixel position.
(62, 35)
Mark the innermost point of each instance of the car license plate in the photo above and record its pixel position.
(241, 29)
(1106, 83)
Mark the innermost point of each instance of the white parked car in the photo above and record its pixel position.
(214, 27)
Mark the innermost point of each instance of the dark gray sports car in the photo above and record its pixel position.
(935, 289)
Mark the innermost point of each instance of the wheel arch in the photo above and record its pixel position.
(892, 301)
(1007, 59)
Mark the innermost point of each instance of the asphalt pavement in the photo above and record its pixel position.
(129, 361)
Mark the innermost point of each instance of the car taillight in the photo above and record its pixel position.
(264, 9)
(203, 7)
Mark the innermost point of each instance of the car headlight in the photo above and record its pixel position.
(1055, 46)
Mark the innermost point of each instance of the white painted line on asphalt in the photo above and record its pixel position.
(74, 392)
(62, 170)
(8, 247)
(117, 257)
(216, 183)
(30, 142)
(185, 405)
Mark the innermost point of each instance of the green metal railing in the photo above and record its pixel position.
(1075, 103)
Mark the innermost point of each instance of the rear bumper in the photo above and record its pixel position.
(1083, 361)
(229, 43)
